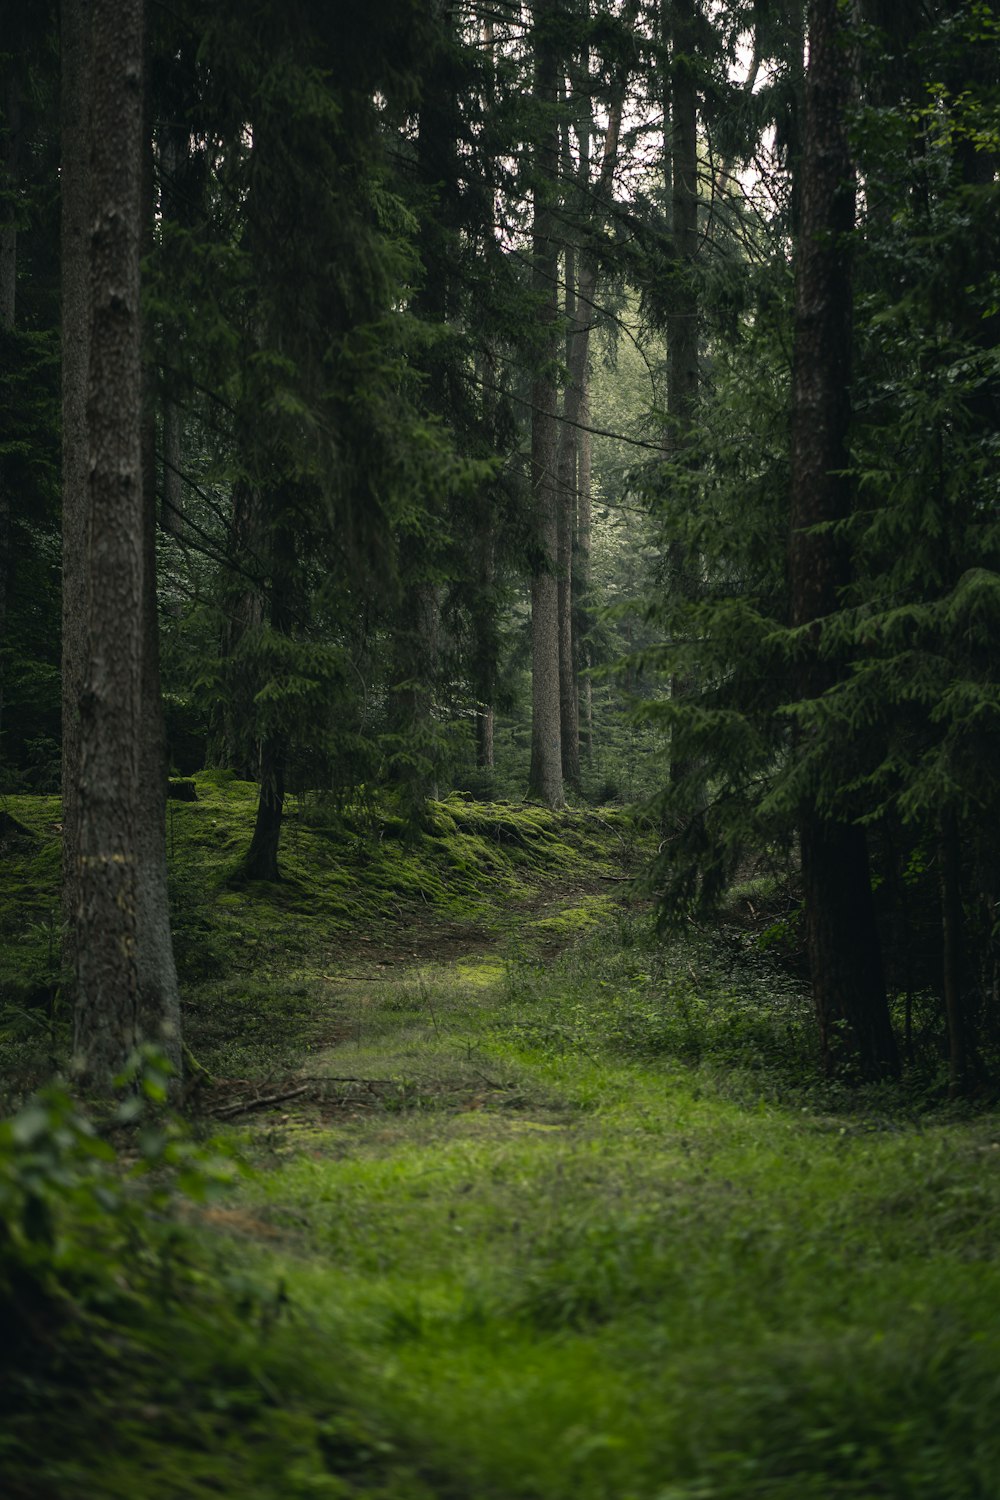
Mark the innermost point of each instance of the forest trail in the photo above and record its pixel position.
(367, 979)
(530, 1252)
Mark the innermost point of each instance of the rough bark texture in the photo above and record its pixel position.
(9, 161)
(545, 775)
(843, 941)
(105, 927)
(11, 125)
(74, 179)
(159, 1005)
(173, 147)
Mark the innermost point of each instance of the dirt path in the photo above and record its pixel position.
(365, 976)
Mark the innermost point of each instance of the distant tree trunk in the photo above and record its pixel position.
(581, 581)
(159, 1006)
(106, 1020)
(233, 744)
(485, 655)
(569, 708)
(682, 316)
(578, 384)
(844, 948)
(415, 673)
(261, 862)
(545, 775)
(75, 205)
(961, 1035)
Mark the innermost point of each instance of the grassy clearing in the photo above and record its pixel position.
(555, 1217)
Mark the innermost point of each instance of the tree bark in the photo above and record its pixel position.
(261, 862)
(569, 708)
(682, 316)
(545, 775)
(106, 1020)
(961, 1038)
(843, 941)
(233, 743)
(75, 343)
(159, 1005)
(577, 399)
(10, 160)
(9, 171)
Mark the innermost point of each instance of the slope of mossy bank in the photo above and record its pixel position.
(252, 956)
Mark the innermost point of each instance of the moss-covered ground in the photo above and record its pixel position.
(547, 1212)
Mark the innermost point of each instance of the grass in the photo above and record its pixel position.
(562, 1215)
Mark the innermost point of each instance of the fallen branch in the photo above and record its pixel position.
(245, 1105)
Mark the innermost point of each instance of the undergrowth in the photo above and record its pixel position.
(555, 1213)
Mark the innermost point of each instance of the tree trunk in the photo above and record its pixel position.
(577, 409)
(545, 775)
(261, 862)
(682, 317)
(233, 744)
(173, 143)
(569, 709)
(10, 160)
(961, 1039)
(159, 1006)
(844, 949)
(75, 206)
(106, 1019)
(581, 579)
(9, 166)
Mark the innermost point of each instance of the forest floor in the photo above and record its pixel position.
(541, 1209)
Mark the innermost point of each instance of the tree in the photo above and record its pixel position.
(112, 1007)
(545, 775)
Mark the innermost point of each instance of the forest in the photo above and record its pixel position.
(499, 727)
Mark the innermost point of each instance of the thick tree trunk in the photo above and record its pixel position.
(74, 185)
(9, 164)
(173, 145)
(9, 171)
(844, 950)
(261, 861)
(159, 1006)
(545, 775)
(106, 1018)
